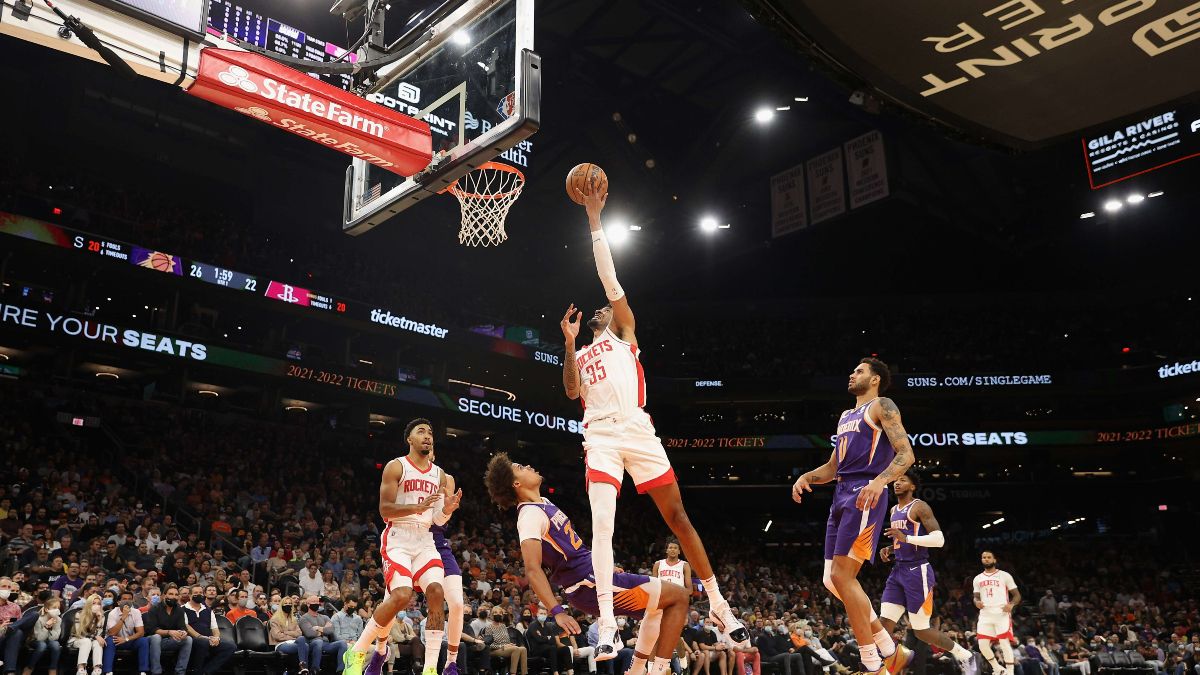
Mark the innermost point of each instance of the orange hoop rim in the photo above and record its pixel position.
(494, 166)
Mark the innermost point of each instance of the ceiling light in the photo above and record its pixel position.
(369, 363)
(1135, 199)
(462, 37)
(763, 115)
(483, 65)
(112, 375)
(617, 234)
(709, 224)
(1112, 206)
(379, 422)
(207, 392)
(801, 99)
(296, 407)
(1089, 214)
(768, 527)
(635, 228)
(4, 357)
(783, 108)
(1155, 194)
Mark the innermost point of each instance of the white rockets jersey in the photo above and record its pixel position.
(993, 589)
(414, 487)
(611, 380)
(671, 573)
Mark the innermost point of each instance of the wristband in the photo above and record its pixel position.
(556, 610)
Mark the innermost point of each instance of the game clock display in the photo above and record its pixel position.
(222, 277)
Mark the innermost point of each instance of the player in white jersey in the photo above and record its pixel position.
(619, 438)
(412, 497)
(672, 569)
(996, 595)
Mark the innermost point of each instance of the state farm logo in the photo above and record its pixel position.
(237, 76)
(256, 112)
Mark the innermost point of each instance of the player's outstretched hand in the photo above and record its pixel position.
(897, 535)
(592, 203)
(429, 501)
(800, 487)
(868, 496)
(885, 553)
(452, 502)
(570, 324)
(567, 623)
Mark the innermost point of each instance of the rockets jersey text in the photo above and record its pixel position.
(415, 486)
(612, 383)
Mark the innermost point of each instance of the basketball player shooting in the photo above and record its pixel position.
(548, 539)
(909, 587)
(619, 437)
(412, 498)
(996, 595)
(871, 451)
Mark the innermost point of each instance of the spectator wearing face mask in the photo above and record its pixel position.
(347, 624)
(209, 650)
(402, 641)
(47, 635)
(502, 644)
(88, 636)
(166, 630)
(241, 606)
(126, 632)
(11, 637)
(318, 630)
(775, 646)
(285, 634)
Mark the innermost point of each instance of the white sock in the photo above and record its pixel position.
(870, 657)
(433, 648)
(884, 642)
(714, 593)
(638, 667)
(370, 632)
(960, 652)
(661, 666)
(603, 498)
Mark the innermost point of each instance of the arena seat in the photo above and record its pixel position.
(253, 645)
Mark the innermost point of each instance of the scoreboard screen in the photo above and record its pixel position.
(229, 18)
(184, 17)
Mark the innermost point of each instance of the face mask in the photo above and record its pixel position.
(808, 633)
(783, 630)
(107, 602)
(542, 616)
(621, 622)
(155, 600)
(54, 612)
(527, 618)
(350, 609)
(711, 629)
(247, 603)
(4, 594)
(197, 598)
(274, 606)
(172, 602)
(287, 609)
(315, 608)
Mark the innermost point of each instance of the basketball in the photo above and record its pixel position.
(587, 178)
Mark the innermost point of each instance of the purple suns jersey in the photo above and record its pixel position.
(862, 450)
(906, 552)
(563, 552)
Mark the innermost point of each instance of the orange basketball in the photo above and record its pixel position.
(588, 178)
(161, 262)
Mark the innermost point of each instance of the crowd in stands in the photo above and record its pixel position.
(244, 518)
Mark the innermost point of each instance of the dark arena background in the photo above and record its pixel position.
(213, 333)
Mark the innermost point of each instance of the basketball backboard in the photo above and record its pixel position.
(473, 76)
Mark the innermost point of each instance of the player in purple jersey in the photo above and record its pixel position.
(548, 539)
(909, 587)
(452, 587)
(871, 450)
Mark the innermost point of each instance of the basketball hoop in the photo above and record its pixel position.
(485, 196)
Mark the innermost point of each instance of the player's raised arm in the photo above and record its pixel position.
(818, 476)
(888, 418)
(622, 318)
(570, 328)
(450, 502)
(388, 508)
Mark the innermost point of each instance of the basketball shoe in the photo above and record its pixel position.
(722, 616)
(609, 644)
(450, 669)
(352, 662)
(898, 660)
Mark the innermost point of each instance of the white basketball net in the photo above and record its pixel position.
(485, 196)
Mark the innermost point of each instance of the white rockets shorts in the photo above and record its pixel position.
(410, 557)
(612, 448)
(994, 624)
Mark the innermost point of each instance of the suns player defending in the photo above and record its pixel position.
(871, 450)
(549, 540)
(619, 437)
(412, 497)
(452, 586)
(909, 587)
(996, 595)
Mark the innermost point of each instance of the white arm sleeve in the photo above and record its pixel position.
(605, 267)
(532, 524)
(439, 516)
(934, 539)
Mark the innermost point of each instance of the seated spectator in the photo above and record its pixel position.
(166, 628)
(502, 644)
(112, 562)
(10, 612)
(347, 624)
(209, 650)
(318, 630)
(775, 647)
(126, 632)
(47, 635)
(311, 582)
(331, 592)
(241, 606)
(285, 634)
(470, 657)
(350, 585)
(88, 636)
(67, 585)
(541, 638)
(402, 641)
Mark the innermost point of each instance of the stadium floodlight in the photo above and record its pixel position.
(709, 224)
(1155, 194)
(1089, 214)
(1135, 199)
(763, 115)
(1112, 206)
(462, 37)
(617, 233)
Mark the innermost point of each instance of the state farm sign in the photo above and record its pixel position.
(256, 86)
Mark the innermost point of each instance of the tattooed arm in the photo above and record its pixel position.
(570, 329)
(888, 416)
